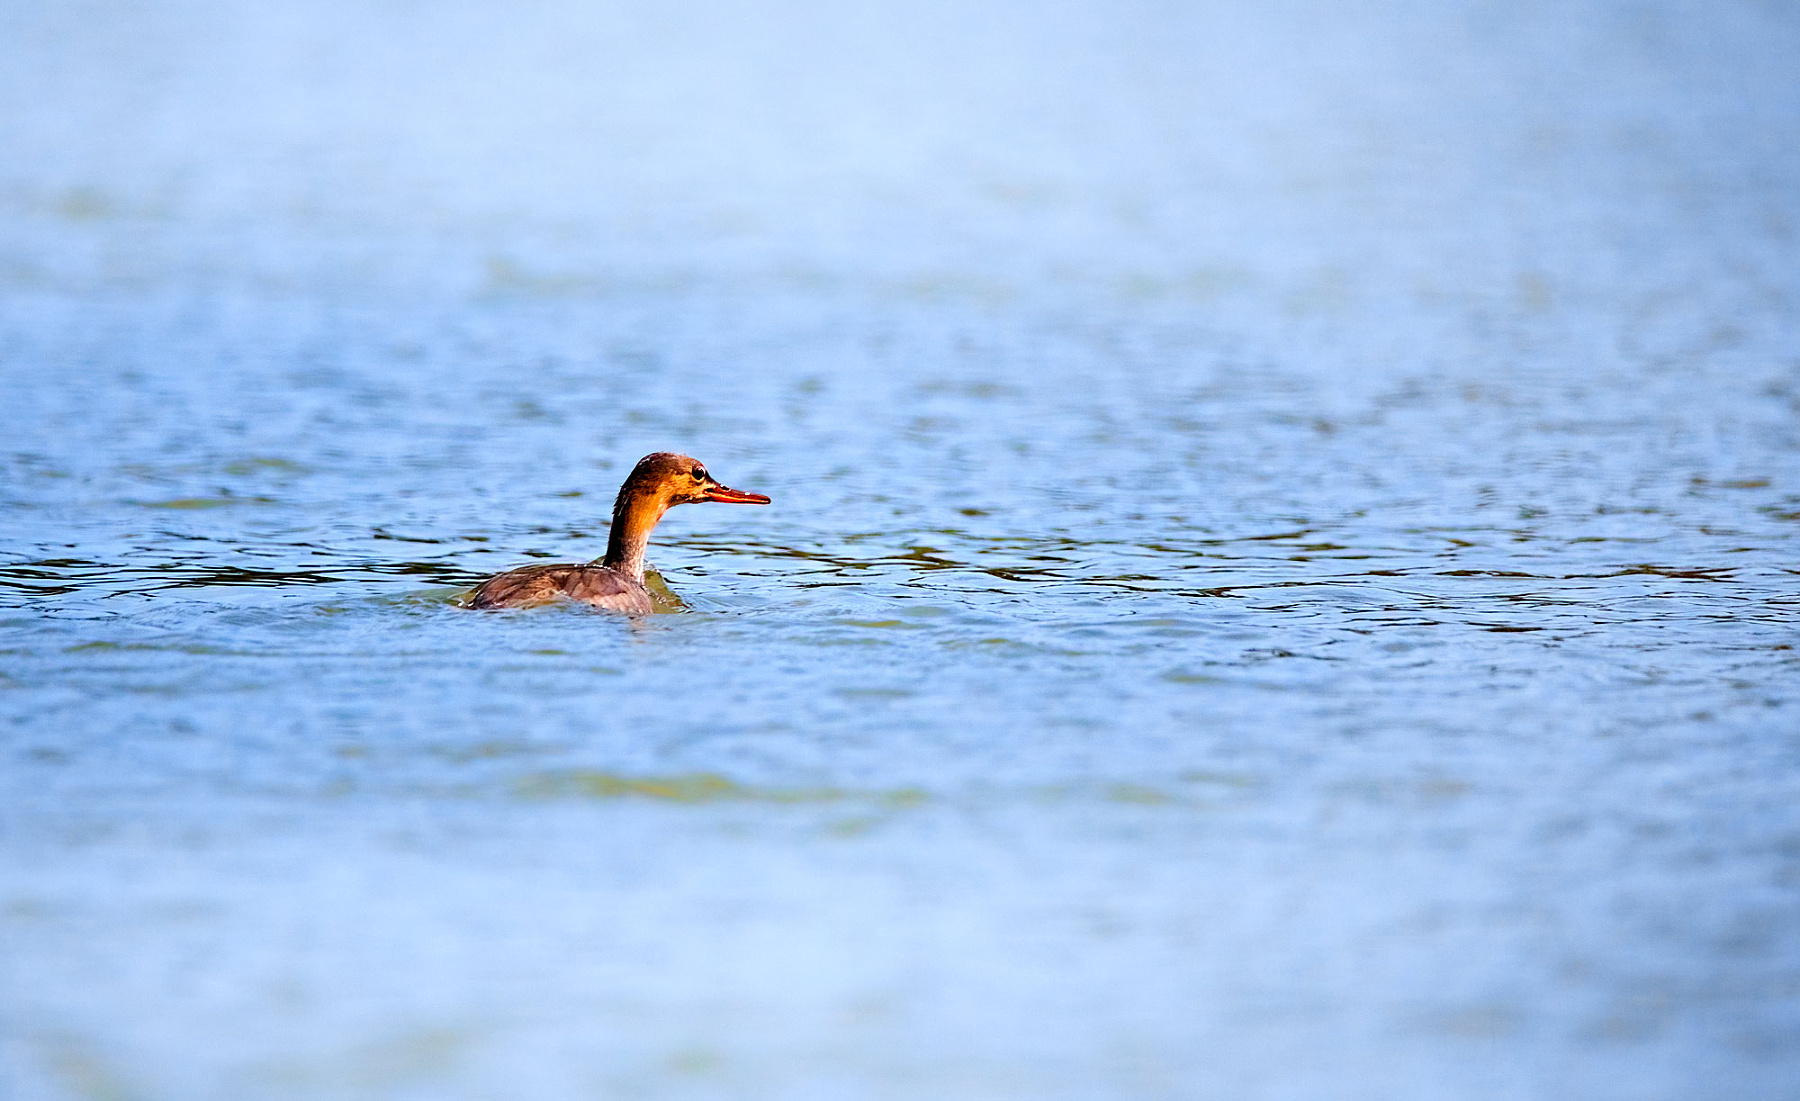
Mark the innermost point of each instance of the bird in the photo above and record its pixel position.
(615, 583)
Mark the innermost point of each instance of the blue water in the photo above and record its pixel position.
(1283, 578)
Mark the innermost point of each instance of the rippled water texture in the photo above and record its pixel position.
(1282, 584)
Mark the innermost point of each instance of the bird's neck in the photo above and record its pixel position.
(634, 515)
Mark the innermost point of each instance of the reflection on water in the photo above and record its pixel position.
(1283, 578)
(700, 787)
(61, 576)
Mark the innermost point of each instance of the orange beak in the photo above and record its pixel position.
(727, 496)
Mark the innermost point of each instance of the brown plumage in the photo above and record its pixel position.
(658, 483)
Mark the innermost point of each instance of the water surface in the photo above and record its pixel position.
(1283, 578)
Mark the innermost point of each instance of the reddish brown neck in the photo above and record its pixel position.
(635, 513)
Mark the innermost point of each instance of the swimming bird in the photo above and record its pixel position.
(656, 484)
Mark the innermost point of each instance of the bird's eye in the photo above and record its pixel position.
(700, 474)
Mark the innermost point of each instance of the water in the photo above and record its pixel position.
(1282, 580)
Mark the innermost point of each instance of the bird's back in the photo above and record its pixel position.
(599, 586)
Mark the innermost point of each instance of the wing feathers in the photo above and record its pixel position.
(530, 585)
